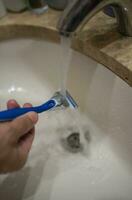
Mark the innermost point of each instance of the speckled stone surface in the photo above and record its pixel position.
(27, 24)
(99, 39)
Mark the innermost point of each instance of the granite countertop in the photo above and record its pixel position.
(99, 39)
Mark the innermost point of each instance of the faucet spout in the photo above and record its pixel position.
(79, 12)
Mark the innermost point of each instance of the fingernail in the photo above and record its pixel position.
(33, 116)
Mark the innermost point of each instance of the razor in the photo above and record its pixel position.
(57, 101)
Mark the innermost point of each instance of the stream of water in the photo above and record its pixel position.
(66, 57)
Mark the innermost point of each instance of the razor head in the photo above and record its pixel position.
(65, 100)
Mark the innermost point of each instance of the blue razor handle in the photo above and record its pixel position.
(8, 115)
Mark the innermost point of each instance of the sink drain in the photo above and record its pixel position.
(73, 142)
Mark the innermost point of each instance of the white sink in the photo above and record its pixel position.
(103, 170)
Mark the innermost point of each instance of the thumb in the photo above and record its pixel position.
(23, 124)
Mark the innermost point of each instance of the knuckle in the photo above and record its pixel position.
(22, 124)
(28, 122)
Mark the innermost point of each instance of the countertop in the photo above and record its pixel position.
(99, 39)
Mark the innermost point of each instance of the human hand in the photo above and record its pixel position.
(16, 138)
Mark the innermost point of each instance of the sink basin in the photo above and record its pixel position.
(103, 169)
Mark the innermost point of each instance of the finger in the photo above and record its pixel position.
(27, 105)
(12, 104)
(23, 124)
(26, 141)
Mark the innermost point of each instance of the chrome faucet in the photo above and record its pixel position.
(79, 12)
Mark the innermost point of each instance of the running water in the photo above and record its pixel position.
(66, 54)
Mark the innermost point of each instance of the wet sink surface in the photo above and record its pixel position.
(103, 170)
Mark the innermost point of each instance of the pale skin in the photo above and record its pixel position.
(16, 138)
